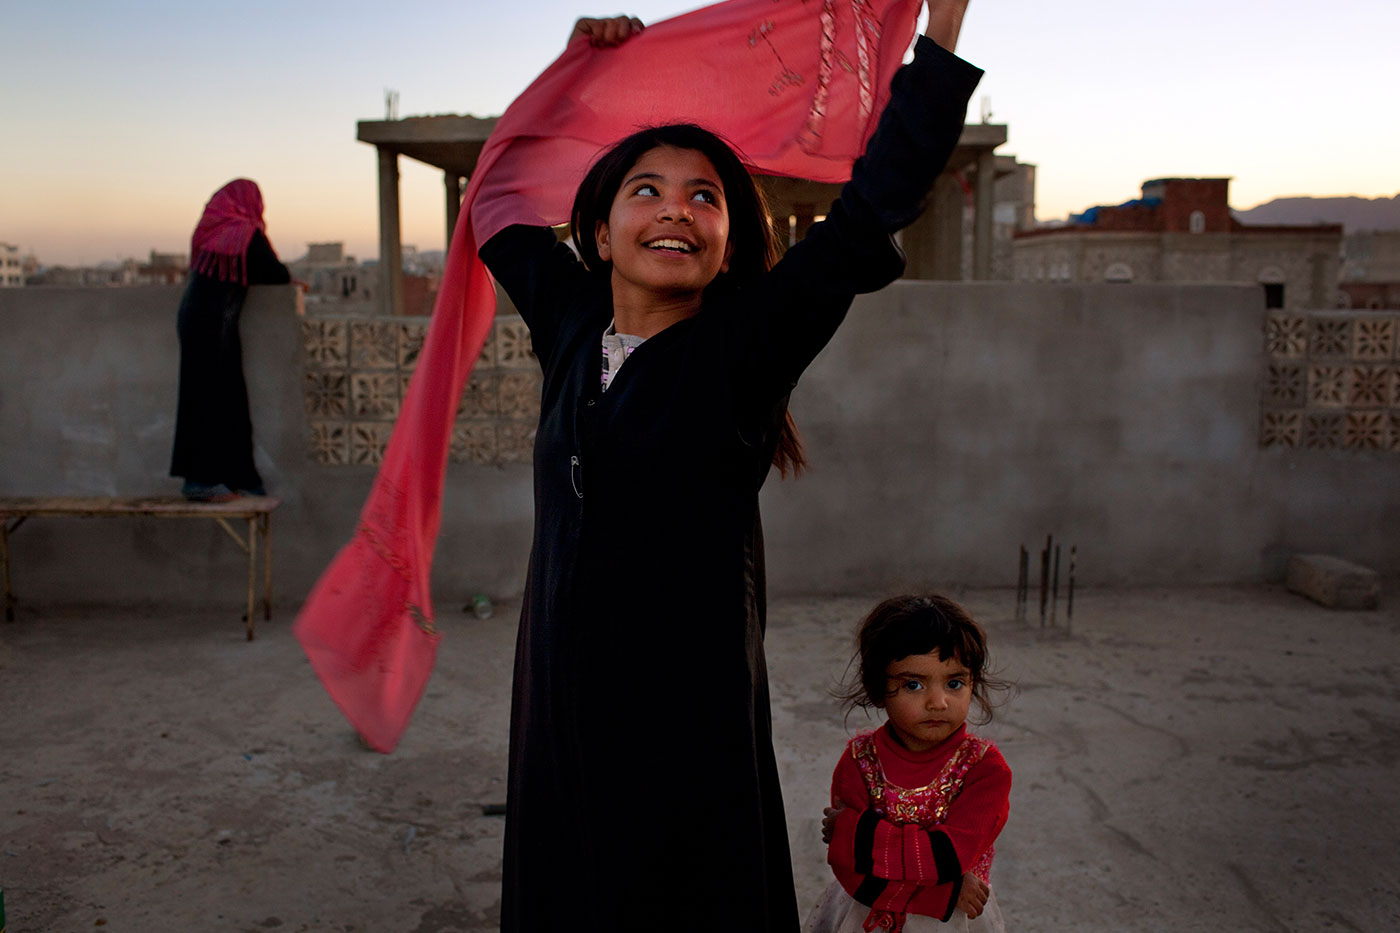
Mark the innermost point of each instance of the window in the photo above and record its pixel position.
(1271, 277)
(1118, 272)
(1198, 222)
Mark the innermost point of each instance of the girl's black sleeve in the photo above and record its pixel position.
(785, 319)
(264, 268)
(540, 274)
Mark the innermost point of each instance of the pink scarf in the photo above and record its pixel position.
(796, 85)
(219, 247)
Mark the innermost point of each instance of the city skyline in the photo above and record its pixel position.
(130, 115)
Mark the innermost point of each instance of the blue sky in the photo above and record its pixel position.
(121, 118)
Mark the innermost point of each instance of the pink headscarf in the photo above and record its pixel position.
(796, 85)
(219, 247)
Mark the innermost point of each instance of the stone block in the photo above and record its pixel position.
(1333, 582)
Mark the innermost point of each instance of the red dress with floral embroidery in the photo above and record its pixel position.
(912, 824)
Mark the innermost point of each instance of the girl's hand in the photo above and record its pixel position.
(606, 33)
(973, 896)
(829, 816)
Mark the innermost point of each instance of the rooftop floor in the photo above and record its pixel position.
(1217, 758)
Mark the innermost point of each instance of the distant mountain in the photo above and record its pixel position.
(1355, 213)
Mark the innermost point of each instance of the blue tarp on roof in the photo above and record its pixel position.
(1091, 216)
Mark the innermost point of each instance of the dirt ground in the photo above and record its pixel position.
(1206, 758)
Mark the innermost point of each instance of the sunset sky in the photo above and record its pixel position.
(121, 118)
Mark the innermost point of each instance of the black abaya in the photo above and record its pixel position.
(644, 791)
(213, 429)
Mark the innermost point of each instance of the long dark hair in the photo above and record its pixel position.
(920, 624)
(751, 233)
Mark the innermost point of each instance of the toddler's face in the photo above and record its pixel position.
(926, 699)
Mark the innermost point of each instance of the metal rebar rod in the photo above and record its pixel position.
(1055, 586)
(1069, 603)
(1022, 571)
(1044, 579)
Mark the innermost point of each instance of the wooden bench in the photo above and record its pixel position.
(255, 510)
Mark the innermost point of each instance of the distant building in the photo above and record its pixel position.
(11, 267)
(334, 278)
(1181, 230)
(163, 269)
(1371, 270)
(160, 269)
(325, 254)
(103, 275)
(330, 274)
(1013, 213)
(1372, 256)
(1369, 296)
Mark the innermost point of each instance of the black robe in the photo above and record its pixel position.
(213, 430)
(643, 788)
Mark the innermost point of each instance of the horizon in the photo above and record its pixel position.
(1080, 89)
(294, 255)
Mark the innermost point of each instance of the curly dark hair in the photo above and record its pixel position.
(918, 624)
(751, 233)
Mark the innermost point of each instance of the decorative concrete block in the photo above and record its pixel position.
(1328, 385)
(326, 344)
(1286, 335)
(1285, 384)
(1331, 336)
(1373, 339)
(1281, 429)
(1333, 582)
(374, 345)
(1324, 431)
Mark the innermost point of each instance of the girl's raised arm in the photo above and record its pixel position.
(945, 22)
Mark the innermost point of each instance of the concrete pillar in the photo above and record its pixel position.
(933, 243)
(947, 216)
(984, 214)
(806, 216)
(452, 183)
(390, 241)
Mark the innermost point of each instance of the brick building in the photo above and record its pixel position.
(1371, 296)
(1182, 230)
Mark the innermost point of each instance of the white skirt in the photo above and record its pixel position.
(838, 912)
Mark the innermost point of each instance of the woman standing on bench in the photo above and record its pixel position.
(213, 430)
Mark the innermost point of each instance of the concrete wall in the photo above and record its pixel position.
(949, 424)
(87, 406)
(946, 425)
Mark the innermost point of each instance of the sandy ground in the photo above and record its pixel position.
(1215, 759)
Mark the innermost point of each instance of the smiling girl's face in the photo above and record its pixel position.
(926, 699)
(667, 232)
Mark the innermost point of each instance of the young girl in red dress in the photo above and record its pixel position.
(917, 803)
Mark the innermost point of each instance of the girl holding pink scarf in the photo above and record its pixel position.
(643, 790)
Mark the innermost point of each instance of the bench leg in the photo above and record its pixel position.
(252, 572)
(266, 522)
